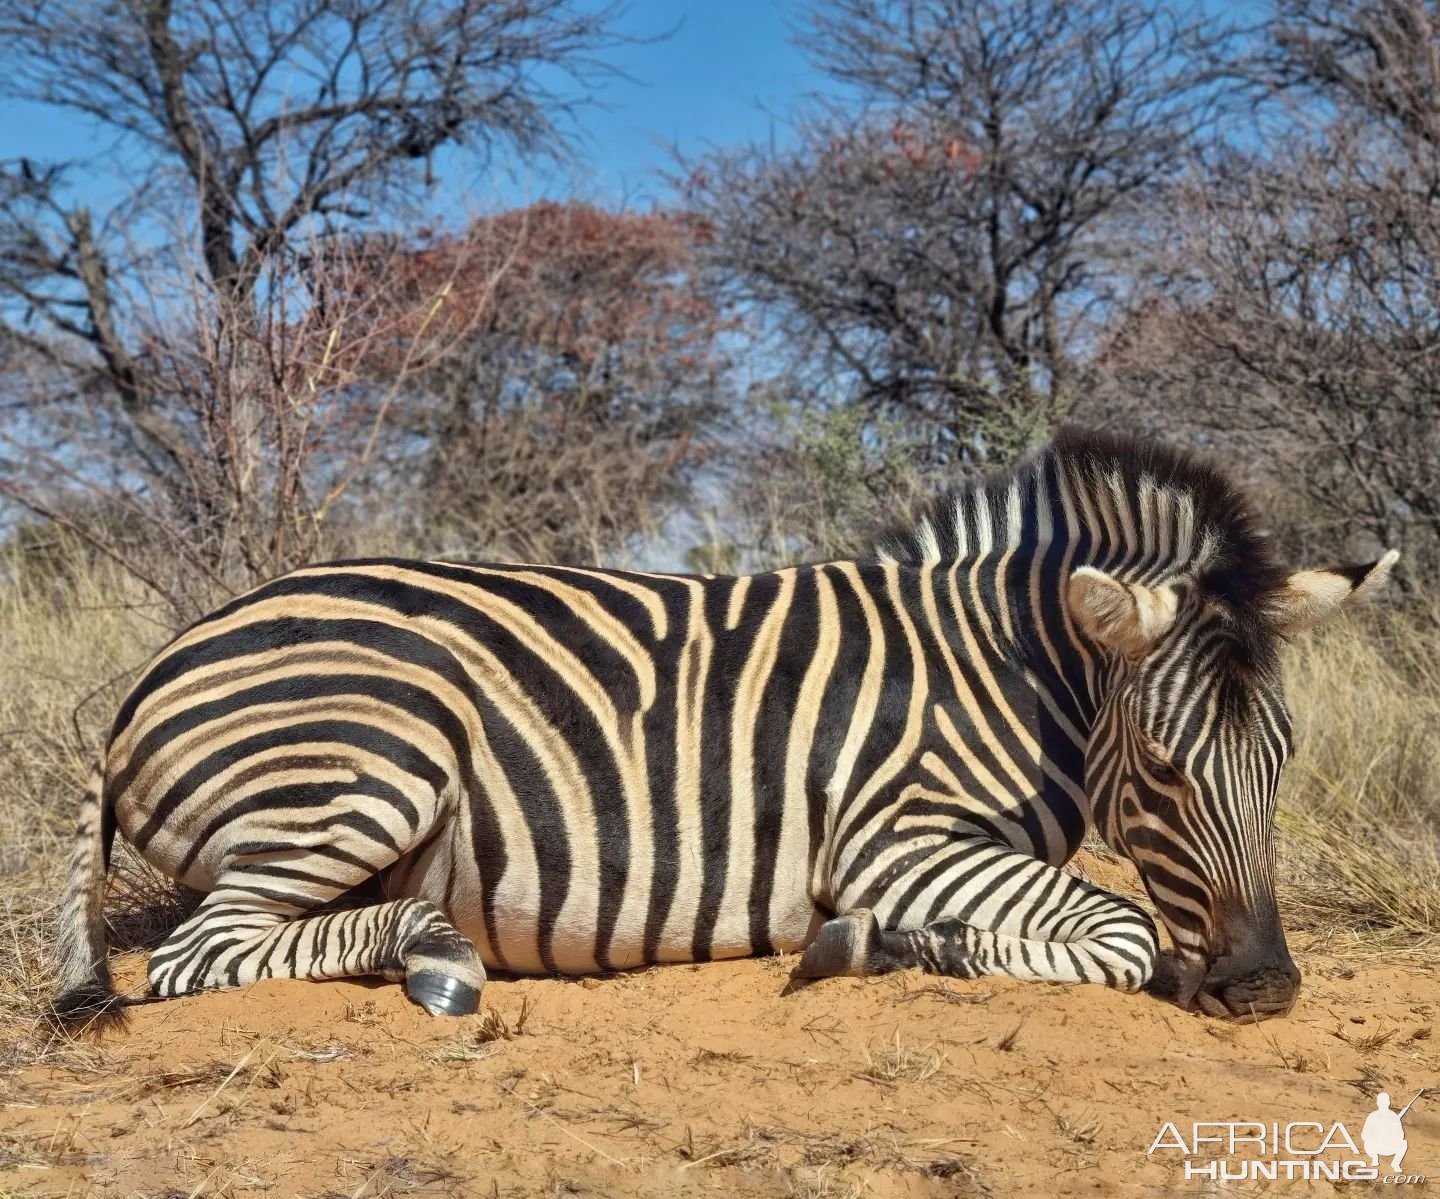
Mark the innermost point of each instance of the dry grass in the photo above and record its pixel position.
(815, 1163)
(397, 1176)
(479, 1041)
(1359, 823)
(806, 1183)
(893, 1061)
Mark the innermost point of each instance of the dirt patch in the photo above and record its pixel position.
(704, 1079)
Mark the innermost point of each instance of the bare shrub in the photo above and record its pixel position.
(280, 419)
(181, 376)
(936, 246)
(1291, 316)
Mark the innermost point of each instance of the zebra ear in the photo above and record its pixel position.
(1126, 617)
(1311, 597)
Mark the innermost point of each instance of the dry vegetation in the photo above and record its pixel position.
(1360, 811)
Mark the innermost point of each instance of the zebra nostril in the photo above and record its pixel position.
(1257, 995)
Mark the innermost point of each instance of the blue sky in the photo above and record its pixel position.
(725, 74)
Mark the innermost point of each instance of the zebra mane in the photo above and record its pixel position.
(1213, 528)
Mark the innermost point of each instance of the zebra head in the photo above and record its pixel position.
(1184, 762)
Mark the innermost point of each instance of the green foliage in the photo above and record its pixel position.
(826, 478)
(713, 558)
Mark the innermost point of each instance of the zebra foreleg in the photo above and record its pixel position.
(855, 944)
(1029, 921)
(237, 937)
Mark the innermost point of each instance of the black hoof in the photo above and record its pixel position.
(441, 995)
(833, 952)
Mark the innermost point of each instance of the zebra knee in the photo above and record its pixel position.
(1126, 953)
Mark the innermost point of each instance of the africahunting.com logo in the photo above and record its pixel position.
(1253, 1150)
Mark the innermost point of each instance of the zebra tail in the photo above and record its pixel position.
(85, 1000)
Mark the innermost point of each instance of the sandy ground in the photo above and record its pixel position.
(708, 1079)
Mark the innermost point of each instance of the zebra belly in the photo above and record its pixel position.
(448, 875)
(573, 947)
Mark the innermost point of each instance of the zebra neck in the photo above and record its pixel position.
(1013, 549)
(1136, 529)
(1002, 612)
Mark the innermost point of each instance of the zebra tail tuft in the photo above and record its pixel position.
(85, 1001)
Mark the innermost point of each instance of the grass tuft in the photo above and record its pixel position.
(893, 1061)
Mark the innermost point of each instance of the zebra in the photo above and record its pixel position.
(876, 763)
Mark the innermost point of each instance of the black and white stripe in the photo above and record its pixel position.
(883, 762)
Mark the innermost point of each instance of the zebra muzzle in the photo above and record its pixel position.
(1252, 995)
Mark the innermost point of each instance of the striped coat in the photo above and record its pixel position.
(882, 762)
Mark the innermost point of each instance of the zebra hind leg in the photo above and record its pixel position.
(237, 937)
(261, 918)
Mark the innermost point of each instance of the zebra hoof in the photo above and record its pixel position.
(841, 947)
(441, 995)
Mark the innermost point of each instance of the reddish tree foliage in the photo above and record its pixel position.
(566, 279)
(586, 355)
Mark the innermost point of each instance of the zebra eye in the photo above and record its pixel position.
(1162, 771)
